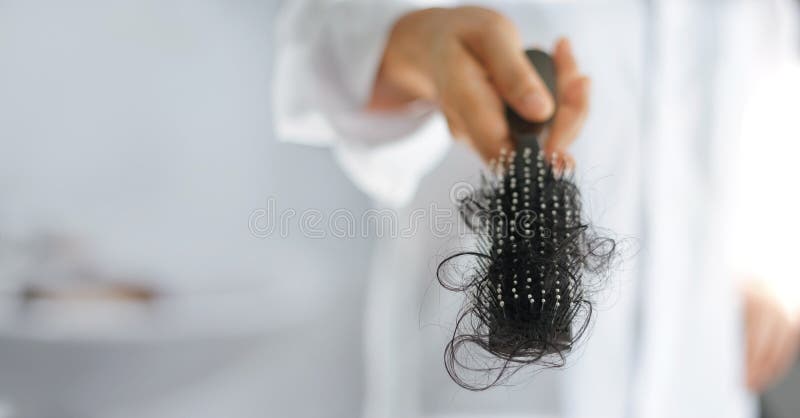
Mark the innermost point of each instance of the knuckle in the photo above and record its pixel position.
(486, 22)
(493, 20)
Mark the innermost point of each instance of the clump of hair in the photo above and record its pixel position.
(528, 281)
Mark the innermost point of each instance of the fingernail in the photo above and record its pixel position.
(566, 44)
(537, 104)
(556, 166)
(559, 172)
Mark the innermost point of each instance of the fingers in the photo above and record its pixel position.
(562, 163)
(487, 67)
(498, 47)
(564, 60)
(785, 355)
(758, 331)
(773, 354)
(573, 100)
(771, 337)
(757, 351)
(455, 124)
(471, 105)
(754, 331)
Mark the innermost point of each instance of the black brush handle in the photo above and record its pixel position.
(523, 132)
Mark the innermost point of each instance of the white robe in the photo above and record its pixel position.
(670, 80)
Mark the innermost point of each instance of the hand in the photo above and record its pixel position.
(470, 61)
(772, 335)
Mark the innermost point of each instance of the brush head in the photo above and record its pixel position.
(533, 229)
(528, 302)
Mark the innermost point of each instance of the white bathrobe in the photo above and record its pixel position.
(670, 81)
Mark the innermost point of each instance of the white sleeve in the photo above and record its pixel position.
(328, 53)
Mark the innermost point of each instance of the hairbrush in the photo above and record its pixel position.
(527, 300)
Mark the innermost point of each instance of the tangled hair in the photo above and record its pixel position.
(528, 296)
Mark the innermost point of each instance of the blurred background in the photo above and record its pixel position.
(136, 144)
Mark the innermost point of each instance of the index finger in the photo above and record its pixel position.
(498, 47)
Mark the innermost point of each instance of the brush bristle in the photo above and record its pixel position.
(527, 302)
